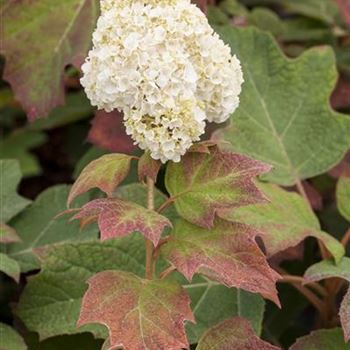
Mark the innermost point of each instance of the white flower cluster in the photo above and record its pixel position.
(161, 63)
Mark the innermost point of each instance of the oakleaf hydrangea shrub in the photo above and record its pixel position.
(215, 232)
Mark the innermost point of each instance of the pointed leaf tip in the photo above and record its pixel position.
(150, 313)
(227, 253)
(117, 218)
(105, 173)
(204, 184)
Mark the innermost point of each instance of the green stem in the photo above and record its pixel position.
(149, 244)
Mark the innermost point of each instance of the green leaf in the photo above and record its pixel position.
(8, 234)
(77, 107)
(203, 184)
(38, 226)
(11, 202)
(323, 339)
(151, 313)
(10, 267)
(284, 117)
(327, 269)
(10, 339)
(34, 67)
(50, 303)
(343, 197)
(235, 333)
(284, 222)
(213, 303)
(105, 173)
(117, 218)
(18, 145)
(227, 253)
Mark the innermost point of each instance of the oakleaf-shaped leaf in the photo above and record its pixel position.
(8, 234)
(10, 339)
(11, 202)
(62, 282)
(327, 269)
(139, 313)
(34, 67)
(227, 253)
(117, 218)
(284, 117)
(235, 333)
(148, 167)
(343, 197)
(37, 226)
(203, 184)
(105, 173)
(285, 221)
(322, 339)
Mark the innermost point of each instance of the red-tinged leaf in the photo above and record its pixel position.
(327, 269)
(40, 38)
(233, 334)
(148, 167)
(202, 4)
(105, 173)
(8, 234)
(108, 132)
(322, 339)
(341, 94)
(117, 218)
(226, 253)
(139, 313)
(343, 168)
(344, 7)
(204, 184)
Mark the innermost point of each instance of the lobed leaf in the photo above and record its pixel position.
(34, 67)
(117, 218)
(284, 222)
(322, 339)
(326, 269)
(105, 173)
(151, 313)
(38, 227)
(235, 333)
(227, 253)
(51, 301)
(204, 184)
(10, 339)
(290, 125)
(343, 197)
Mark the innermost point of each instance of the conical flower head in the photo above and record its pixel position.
(161, 63)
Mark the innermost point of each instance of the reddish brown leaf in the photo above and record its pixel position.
(39, 39)
(202, 4)
(117, 218)
(140, 314)
(202, 147)
(105, 173)
(226, 253)
(108, 132)
(148, 167)
(8, 234)
(341, 94)
(344, 7)
(343, 168)
(204, 184)
(233, 334)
